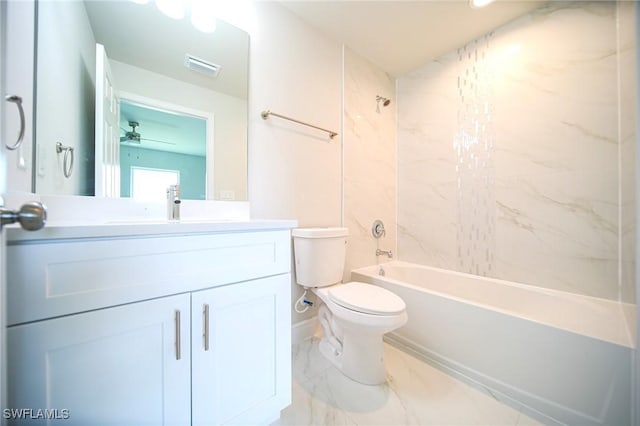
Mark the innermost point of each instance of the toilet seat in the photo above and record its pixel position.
(366, 298)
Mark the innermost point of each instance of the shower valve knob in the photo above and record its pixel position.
(377, 229)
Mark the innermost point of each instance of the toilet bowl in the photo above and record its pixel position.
(352, 332)
(354, 316)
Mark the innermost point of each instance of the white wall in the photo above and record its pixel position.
(294, 171)
(230, 166)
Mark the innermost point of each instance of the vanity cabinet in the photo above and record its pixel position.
(240, 351)
(208, 348)
(112, 366)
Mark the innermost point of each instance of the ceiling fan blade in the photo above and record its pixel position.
(158, 141)
(126, 139)
(133, 137)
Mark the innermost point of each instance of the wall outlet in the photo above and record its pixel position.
(227, 195)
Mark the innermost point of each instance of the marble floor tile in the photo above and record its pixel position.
(307, 360)
(416, 393)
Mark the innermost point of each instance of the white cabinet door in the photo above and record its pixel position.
(116, 366)
(243, 375)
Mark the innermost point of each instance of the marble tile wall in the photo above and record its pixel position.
(515, 153)
(628, 113)
(370, 160)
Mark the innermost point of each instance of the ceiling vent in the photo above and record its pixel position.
(201, 66)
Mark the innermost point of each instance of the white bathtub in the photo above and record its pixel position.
(563, 357)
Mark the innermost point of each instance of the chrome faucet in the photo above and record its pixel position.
(173, 202)
(387, 253)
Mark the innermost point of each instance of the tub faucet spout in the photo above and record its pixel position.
(387, 253)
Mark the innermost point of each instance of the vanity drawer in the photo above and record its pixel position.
(60, 277)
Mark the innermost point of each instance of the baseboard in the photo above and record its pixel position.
(303, 330)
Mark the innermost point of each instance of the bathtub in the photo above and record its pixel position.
(561, 357)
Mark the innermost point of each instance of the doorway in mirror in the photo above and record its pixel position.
(160, 137)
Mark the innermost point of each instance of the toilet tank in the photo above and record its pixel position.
(319, 255)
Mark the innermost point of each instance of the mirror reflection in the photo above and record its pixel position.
(162, 96)
(161, 143)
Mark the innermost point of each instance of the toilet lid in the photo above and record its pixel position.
(366, 298)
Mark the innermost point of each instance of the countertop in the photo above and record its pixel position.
(141, 227)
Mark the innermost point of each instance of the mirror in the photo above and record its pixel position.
(166, 77)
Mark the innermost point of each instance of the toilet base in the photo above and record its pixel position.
(352, 340)
(361, 357)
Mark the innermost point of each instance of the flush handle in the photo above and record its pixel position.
(31, 216)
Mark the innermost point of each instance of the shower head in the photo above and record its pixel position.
(385, 101)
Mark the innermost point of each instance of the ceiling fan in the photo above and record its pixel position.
(133, 137)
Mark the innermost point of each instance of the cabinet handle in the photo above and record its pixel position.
(177, 321)
(205, 332)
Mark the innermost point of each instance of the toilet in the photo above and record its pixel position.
(354, 316)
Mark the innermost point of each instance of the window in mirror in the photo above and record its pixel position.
(152, 184)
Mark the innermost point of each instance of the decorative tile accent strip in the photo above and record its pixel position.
(474, 146)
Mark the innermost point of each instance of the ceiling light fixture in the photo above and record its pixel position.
(172, 8)
(512, 50)
(203, 12)
(477, 4)
(203, 15)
